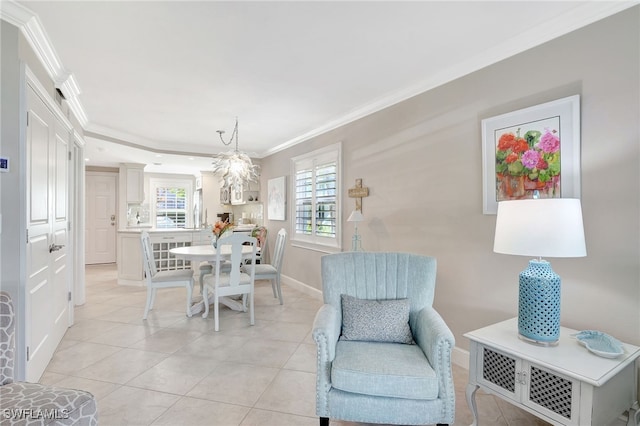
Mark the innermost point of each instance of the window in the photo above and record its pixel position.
(171, 203)
(316, 207)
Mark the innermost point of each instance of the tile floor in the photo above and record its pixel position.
(174, 370)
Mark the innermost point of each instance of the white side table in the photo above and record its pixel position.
(564, 384)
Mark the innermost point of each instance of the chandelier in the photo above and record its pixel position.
(235, 167)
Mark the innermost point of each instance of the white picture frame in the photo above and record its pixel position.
(277, 198)
(552, 131)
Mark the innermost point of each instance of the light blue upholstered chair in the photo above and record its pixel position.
(379, 381)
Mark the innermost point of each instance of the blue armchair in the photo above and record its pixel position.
(376, 380)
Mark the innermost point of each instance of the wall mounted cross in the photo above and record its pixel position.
(358, 192)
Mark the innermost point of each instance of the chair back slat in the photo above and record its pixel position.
(147, 255)
(237, 241)
(279, 249)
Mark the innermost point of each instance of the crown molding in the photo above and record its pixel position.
(582, 15)
(35, 34)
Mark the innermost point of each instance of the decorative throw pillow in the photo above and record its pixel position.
(375, 320)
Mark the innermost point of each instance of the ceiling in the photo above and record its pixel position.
(156, 79)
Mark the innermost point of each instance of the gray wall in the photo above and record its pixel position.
(421, 160)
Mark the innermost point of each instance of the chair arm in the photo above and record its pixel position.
(435, 339)
(326, 331)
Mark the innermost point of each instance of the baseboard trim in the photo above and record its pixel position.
(301, 287)
(460, 357)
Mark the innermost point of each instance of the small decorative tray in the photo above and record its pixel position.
(600, 343)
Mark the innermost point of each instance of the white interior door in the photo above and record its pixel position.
(48, 264)
(100, 218)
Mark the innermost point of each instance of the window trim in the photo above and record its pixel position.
(187, 184)
(313, 242)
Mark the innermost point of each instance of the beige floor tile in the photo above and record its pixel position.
(97, 388)
(122, 366)
(69, 361)
(292, 392)
(123, 314)
(258, 417)
(268, 353)
(124, 335)
(93, 310)
(176, 374)
(303, 359)
(167, 340)
(287, 331)
(215, 346)
(196, 412)
(87, 329)
(234, 383)
(132, 406)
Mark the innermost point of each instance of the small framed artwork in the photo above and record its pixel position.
(532, 153)
(277, 198)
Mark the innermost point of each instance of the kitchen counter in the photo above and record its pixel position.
(162, 239)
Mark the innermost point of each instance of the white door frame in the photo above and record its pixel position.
(76, 207)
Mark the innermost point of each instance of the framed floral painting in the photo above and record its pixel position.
(532, 153)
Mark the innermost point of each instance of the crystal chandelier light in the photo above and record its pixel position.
(235, 167)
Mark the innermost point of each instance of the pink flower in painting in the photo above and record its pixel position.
(549, 142)
(530, 159)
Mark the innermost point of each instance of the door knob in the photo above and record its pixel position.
(113, 218)
(55, 247)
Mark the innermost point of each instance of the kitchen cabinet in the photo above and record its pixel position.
(248, 193)
(162, 242)
(134, 175)
(129, 256)
(129, 259)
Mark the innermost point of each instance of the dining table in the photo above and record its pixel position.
(207, 253)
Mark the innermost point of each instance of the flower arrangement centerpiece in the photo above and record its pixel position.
(528, 163)
(220, 228)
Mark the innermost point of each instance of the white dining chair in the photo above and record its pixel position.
(162, 279)
(206, 268)
(235, 281)
(271, 271)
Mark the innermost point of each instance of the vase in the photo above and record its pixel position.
(511, 186)
(531, 185)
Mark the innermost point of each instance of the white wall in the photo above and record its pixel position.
(422, 161)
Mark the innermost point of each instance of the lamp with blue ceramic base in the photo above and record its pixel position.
(540, 227)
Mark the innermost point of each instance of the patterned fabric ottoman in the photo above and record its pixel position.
(24, 403)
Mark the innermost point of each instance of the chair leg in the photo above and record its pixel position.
(279, 289)
(216, 312)
(205, 300)
(324, 421)
(189, 295)
(147, 306)
(201, 280)
(252, 320)
(273, 287)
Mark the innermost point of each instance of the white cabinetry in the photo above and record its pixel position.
(134, 182)
(162, 242)
(210, 186)
(249, 193)
(129, 256)
(565, 384)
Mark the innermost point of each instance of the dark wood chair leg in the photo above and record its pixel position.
(324, 421)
